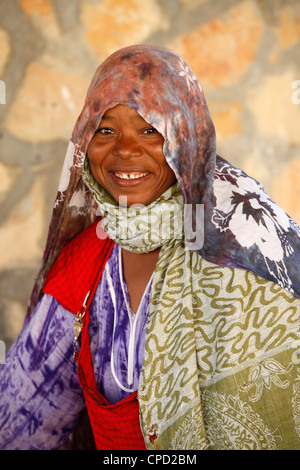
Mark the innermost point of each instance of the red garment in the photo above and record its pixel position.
(76, 272)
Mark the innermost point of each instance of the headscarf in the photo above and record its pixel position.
(243, 227)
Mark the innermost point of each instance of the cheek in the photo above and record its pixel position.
(167, 175)
(168, 172)
(95, 162)
(95, 156)
(93, 153)
(171, 177)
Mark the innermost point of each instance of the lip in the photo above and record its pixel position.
(129, 182)
(134, 169)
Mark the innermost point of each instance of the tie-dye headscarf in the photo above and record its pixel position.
(243, 227)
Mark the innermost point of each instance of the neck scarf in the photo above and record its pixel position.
(139, 228)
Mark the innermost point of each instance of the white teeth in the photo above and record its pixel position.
(129, 176)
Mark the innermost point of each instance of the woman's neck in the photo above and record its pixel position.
(137, 270)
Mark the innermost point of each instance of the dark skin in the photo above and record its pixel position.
(137, 270)
(126, 145)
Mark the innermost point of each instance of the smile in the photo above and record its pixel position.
(130, 176)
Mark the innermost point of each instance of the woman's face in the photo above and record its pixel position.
(126, 157)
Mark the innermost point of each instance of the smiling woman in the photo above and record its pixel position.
(126, 157)
(160, 342)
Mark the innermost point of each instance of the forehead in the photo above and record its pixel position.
(122, 112)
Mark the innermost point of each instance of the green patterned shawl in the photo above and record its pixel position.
(221, 366)
(221, 361)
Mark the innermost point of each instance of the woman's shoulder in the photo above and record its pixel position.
(78, 266)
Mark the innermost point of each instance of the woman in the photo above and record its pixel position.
(176, 327)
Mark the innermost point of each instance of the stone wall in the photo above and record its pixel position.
(246, 55)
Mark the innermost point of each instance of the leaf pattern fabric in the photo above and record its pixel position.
(221, 367)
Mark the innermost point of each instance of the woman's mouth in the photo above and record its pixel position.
(132, 175)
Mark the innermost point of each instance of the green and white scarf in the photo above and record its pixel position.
(139, 228)
(221, 346)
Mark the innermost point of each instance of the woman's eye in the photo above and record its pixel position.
(104, 130)
(151, 130)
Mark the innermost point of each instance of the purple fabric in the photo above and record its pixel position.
(40, 396)
(101, 332)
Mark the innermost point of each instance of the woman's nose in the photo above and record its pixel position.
(127, 146)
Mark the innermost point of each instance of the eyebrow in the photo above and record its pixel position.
(109, 117)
